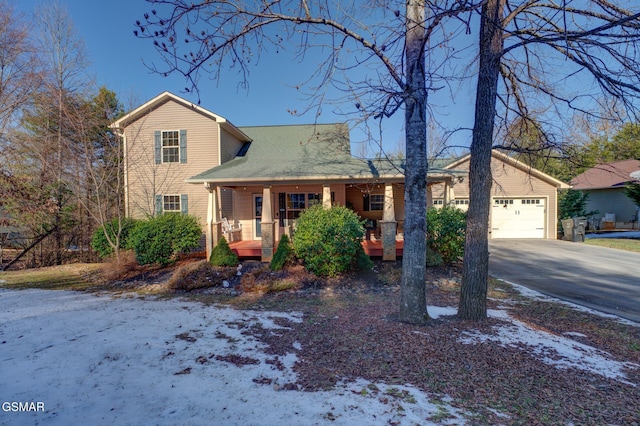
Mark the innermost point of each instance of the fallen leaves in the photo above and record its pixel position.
(351, 334)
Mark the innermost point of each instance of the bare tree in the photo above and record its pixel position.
(19, 78)
(43, 151)
(383, 37)
(100, 190)
(19, 68)
(528, 45)
(66, 61)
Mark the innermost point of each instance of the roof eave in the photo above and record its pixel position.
(312, 179)
(519, 165)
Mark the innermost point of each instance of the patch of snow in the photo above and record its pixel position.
(552, 349)
(536, 295)
(574, 333)
(441, 311)
(100, 360)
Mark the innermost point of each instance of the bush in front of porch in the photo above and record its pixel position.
(329, 241)
(445, 234)
(222, 255)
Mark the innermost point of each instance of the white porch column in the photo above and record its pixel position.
(452, 192)
(213, 230)
(326, 196)
(388, 225)
(388, 212)
(267, 225)
(449, 193)
(445, 193)
(267, 208)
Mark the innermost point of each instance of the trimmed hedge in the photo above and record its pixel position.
(160, 239)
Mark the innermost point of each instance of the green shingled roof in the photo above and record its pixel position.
(298, 153)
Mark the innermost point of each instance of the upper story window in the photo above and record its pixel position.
(170, 146)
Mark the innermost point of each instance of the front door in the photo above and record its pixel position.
(257, 216)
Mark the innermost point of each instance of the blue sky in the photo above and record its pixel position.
(117, 62)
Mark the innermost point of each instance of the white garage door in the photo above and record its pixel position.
(517, 218)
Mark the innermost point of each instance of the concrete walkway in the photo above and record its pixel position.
(600, 278)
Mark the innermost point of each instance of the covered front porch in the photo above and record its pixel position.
(263, 213)
(285, 170)
(253, 248)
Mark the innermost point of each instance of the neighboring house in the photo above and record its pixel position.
(524, 200)
(605, 185)
(180, 157)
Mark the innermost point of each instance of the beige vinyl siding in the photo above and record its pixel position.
(229, 146)
(145, 178)
(243, 209)
(226, 203)
(355, 196)
(511, 182)
(243, 202)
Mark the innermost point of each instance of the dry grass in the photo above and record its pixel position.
(76, 276)
(350, 332)
(120, 268)
(262, 280)
(350, 335)
(199, 274)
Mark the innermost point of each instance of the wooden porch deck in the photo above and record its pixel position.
(245, 249)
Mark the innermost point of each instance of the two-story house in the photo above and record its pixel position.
(182, 158)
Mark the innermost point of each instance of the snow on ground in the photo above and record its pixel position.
(98, 360)
(552, 348)
(536, 295)
(128, 361)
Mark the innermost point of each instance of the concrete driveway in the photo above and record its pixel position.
(601, 278)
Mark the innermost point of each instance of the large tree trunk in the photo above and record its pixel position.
(413, 303)
(475, 274)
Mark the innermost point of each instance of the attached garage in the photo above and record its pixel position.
(523, 200)
(518, 218)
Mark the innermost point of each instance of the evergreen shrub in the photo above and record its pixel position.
(328, 241)
(445, 234)
(222, 255)
(101, 244)
(160, 239)
(283, 254)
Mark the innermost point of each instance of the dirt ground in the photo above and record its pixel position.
(350, 331)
